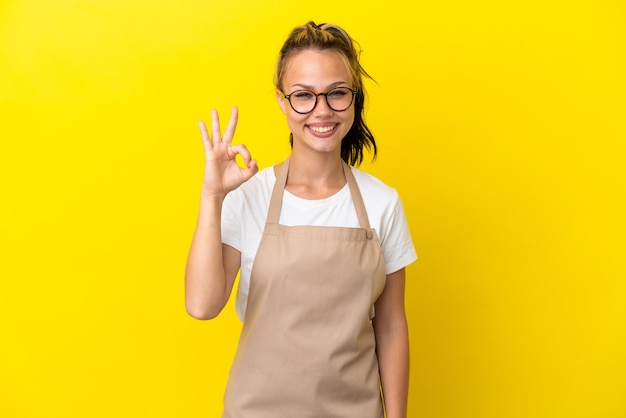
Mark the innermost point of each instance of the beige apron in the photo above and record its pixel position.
(307, 347)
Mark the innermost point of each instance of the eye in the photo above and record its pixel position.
(337, 93)
(303, 95)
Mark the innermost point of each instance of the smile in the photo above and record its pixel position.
(322, 129)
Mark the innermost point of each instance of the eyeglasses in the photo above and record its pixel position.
(304, 101)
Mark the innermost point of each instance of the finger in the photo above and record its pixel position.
(251, 166)
(241, 150)
(206, 140)
(204, 131)
(215, 126)
(229, 133)
(252, 169)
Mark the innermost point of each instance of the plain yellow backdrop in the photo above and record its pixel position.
(502, 125)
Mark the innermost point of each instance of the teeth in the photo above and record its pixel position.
(322, 129)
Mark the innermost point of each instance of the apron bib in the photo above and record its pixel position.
(307, 346)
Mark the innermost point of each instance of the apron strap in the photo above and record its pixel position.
(276, 200)
(357, 199)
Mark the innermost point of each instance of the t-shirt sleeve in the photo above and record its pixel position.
(231, 220)
(397, 244)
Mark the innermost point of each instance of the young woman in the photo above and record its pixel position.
(322, 249)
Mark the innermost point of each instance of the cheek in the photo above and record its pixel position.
(350, 117)
(294, 118)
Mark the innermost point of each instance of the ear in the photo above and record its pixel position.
(281, 101)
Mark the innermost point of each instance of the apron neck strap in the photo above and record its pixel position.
(276, 201)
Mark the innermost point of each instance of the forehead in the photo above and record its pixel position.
(316, 68)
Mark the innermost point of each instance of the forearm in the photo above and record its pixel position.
(392, 345)
(393, 359)
(206, 290)
(212, 266)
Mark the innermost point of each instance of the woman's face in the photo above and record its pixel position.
(322, 129)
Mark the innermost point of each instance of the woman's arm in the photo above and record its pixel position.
(211, 265)
(392, 345)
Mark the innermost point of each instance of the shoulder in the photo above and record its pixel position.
(245, 208)
(262, 179)
(260, 184)
(252, 196)
(374, 191)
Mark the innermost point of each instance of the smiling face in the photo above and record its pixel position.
(322, 129)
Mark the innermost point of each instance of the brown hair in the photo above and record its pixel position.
(329, 36)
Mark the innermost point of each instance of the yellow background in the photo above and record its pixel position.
(502, 124)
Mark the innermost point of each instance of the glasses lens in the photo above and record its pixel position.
(302, 101)
(339, 99)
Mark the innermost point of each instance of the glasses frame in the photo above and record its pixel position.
(317, 95)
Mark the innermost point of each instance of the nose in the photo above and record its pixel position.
(322, 107)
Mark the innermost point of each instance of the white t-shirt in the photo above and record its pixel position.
(244, 214)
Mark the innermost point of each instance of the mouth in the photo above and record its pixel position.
(322, 129)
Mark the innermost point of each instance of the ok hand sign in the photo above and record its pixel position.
(222, 174)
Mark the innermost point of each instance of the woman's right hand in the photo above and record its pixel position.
(222, 174)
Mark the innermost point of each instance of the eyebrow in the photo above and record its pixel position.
(331, 86)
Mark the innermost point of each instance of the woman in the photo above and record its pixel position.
(322, 249)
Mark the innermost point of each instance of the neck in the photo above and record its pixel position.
(316, 169)
(315, 177)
